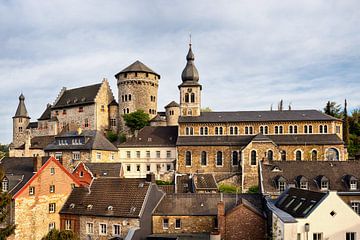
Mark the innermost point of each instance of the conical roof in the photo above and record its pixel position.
(21, 109)
(190, 73)
(137, 66)
(172, 104)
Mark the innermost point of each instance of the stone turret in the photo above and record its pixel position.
(190, 89)
(138, 90)
(20, 122)
(172, 111)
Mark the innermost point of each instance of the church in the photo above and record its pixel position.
(227, 144)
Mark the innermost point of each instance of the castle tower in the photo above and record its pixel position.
(138, 89)
(20, 122)
(172, 111)
(190, 89)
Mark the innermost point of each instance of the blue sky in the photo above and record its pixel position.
(250, 54)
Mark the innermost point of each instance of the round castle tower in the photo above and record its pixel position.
(20, 122)
(172, 114)
(137, 89)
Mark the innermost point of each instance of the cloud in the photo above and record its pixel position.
(250, 54)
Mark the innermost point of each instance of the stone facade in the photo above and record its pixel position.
(32, 213)
(190, 100)
(19, 130)
(188, 224)
(172, 116)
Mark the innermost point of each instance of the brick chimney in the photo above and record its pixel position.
(37, 163)
(150, 177)
(221, 216)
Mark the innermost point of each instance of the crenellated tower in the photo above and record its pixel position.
(190, 89)
(20, 122)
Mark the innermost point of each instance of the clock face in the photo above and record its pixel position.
(189, 90)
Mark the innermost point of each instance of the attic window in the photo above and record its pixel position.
(132, 209)
(68, 101)
(110, 208)
(353, 184)
(76, 100)
(141, 185)
(89, 207)
(324, 185)
(83, 99)
(333, 213)
(72, 205)
(149, 139)
(276, 169)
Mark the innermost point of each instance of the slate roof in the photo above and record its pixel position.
(243, 140)
(137, 66)
(168, 189)
(94, 140)
(184, 184)
(292, 171)
(19, 171)
(202, 204)
(21, 109)
(180, 236)
(204, 181)
(104, 169)
(172, 104)
(32, 125)
(153, 136)
(258, 116)
(126, 195)
(299, 203)
(113, 103)
(78, 96)
(39, 142)
(46, 114)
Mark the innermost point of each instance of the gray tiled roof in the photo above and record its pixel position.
(78, 96)
(39, 142)
(153, 136)
(125, 195)
(204, 181)
(104, 169)
(21, 109)
(137, 66)
(172, 104)
(243, 140)
(335, 171)
(32, 125)
(94, 140)
(258, 116)
(201, 204)
(46, 114)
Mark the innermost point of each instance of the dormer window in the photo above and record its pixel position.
(304, 185)
(324, 185)
(280, 181)
(5, 185)
(353, 184)
(110, 208)
(89, 207)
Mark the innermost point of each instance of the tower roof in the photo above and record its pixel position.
(172, 104)
(137, 66)
(190, 73)
(21, 109)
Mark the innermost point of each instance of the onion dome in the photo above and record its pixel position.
(190, 73)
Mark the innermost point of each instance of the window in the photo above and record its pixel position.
(188, 158)
(52, 207)
(58, 156)
(308, 129)
(186, 97)
(337, 129)
(64, 112)
(278, 129)
(103, 229)
(5, 185)
(298, 155)
(292, 129)
(81, 109)
(264, 129)
(218, 130)
(219, 158)
(353, 184)
(89, 228)
(98, 155)
(283, 155)
(81, 174)
(128, 154)
(235, 158)
(168, 154)
(51, 226)
(281, 186)
(325, 129)
(317, 236)
(324, 185)
(351, 236)
(332, 154)
(192, 97)
(148, 167)
(116, 229)
(31, 190)
(112, 156)
(165, 223)
(20, 129)
(204, 130)
(253, 158)
(355, 205)
(321, 129)
(128, 168)
(304, 185)
(52, 171)
(52, 188)
(67, 224)
(113, 122)
(86, 122)
(148, 154)
(158, 154)
(270, 155)
(129, 97)
(313, 155)
(138, 167)
(298, 236)
(189, 131)
(76, 155)
(203, 158)
(177, 223)
(168, 167)
(248, 130)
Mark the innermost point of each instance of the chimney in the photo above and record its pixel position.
(37, 163)
(150, 177)
(136, 133)
(221, 216)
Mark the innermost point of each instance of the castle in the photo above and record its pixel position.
(226, 144)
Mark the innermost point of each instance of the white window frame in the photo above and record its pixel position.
(158, 154)
(98, 155)
(324, 185)
(68, 224)
(52, 188)
(353, 185)
(51, 226)
(52, 207)
(5, 185)
(116, 233)
(304, 185)
(318, 236)
(138, 154)
(128, 154)
(282, 186)
(176, 222)
(355, 205)
(52, 171)
(352, 236)
(168, 154)
(166, 226)
(89, 228)
(31, 190)
(101, 232)
(76, 155)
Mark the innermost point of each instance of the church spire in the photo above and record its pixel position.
(190, 73)
(21, 109)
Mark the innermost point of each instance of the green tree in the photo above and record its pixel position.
(206, 109)
(5, 202)
(345, 125)
(333, 109)
(354, 133)
(111, 136)
(4, 150)
(253, 189)
(136, 120)
(60, 235)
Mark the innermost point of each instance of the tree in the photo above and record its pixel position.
(136, 120)
(5, 202)
(60, 235)
(333, 109)
(4, 151)
(354, 133)
(111, 136)
(346, 125)
(206, 109)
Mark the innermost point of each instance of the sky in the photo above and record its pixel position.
(249, 54)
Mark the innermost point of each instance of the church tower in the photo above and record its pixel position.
(190, 89)
(20, 122)
(138, 90)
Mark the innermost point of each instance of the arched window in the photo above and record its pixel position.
(5, 185)
(203, 158)
(129, 97)
(201, 130)
(332, 155)
(246, 130)
(220, 130)
(298, 155)
(253, 158)
(192, 97)
(188, 158)
(310, 129)
(231, 130)
(295, 129)
(122, 98)
(219, 158)
(313, 155)
(216, 131)
(276, 130)
(321, 129)
(283, 155)
(280, 129)
(235, 158)
(325, 129)
(189, 131)
(190, 112)
(270, 155)
(291, 129)
(125, 98)
(236, 130)
(305, 129)
(186, 97)
(266, 130)
(261, 129)
(250, 130)
(127, 110)
(206, 130)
